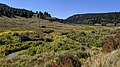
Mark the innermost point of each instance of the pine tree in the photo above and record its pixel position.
(41, 15)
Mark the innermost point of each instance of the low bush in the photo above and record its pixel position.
(48, 40)
(92, 31)
(83, 55)
(65, 61)
(43, 26)
(24, 38)
(64, 33)
(48, 31)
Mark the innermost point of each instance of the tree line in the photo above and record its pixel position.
(11, 12)
(44, 15)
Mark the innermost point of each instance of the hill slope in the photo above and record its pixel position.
(40, 42)
(95, 18)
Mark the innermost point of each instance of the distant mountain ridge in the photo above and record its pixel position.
(95, 17)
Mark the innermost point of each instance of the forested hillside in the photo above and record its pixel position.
(93, 18)
(11, 12)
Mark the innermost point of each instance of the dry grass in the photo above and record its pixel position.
(104, 60)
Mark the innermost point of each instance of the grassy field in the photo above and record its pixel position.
(42, 43)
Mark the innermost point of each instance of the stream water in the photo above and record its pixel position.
(12, 55)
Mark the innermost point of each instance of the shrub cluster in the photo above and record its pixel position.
(113, 42)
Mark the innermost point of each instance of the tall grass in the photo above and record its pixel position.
(104, 60)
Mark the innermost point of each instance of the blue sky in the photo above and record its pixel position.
(65, 8)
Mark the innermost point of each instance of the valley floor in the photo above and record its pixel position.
(33, 42)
